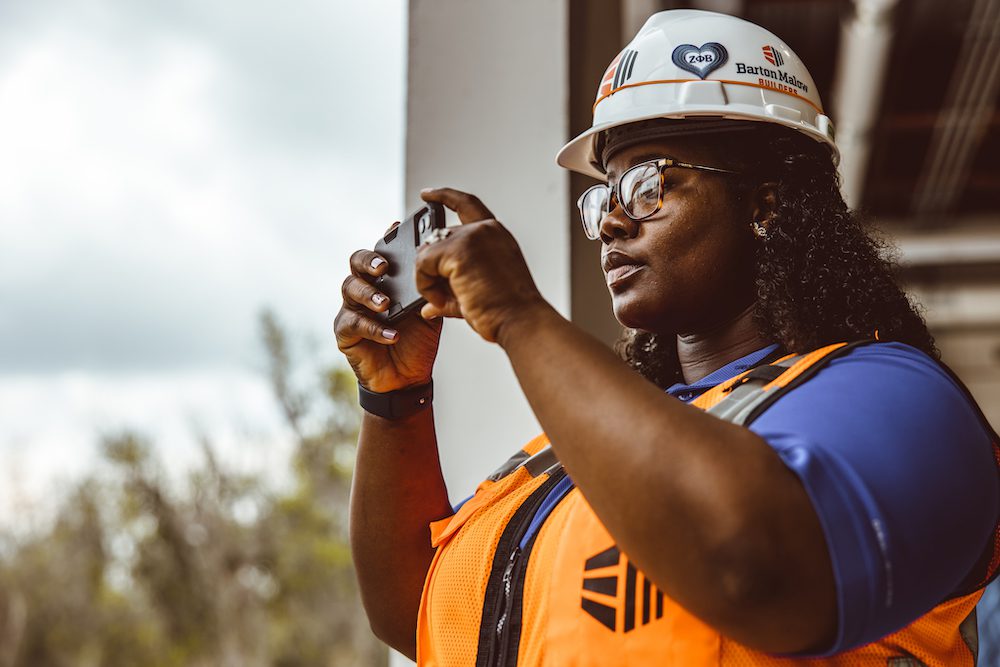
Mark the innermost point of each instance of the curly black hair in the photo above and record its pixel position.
(822, 277)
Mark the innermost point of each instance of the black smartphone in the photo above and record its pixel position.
(399, 247)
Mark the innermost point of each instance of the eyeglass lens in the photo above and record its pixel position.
(639, 195)
(640, 190)
(593, 208)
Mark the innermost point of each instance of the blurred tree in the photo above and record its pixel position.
(232, 570)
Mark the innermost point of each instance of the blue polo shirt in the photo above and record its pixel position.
(900, 471)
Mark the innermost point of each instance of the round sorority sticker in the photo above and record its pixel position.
(700, 60)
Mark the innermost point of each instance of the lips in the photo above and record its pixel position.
(618, 265)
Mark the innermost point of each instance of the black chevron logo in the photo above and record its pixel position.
(618, 610)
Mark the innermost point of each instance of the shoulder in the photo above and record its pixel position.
(890, 387)
(899, 360)
(886, 404)
(900, 467)
(891, 362)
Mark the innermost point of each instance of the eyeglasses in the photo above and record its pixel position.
(642, 186)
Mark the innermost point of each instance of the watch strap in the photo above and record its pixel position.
(396, 404)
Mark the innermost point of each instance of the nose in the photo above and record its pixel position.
(617, 225)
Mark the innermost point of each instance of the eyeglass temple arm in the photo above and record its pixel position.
(670, 162)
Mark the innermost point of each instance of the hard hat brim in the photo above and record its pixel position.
(579, 155)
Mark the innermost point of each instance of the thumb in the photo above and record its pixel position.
(448, 309)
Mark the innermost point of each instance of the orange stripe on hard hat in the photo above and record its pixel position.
(609, 76)
(735, 83)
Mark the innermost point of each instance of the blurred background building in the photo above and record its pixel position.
(495, 89)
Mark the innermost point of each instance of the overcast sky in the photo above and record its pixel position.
(167, 169)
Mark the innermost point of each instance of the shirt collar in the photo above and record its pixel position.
(686, 392)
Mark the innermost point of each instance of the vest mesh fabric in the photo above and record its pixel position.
(556, 631)
(995, 561)
(531, 650)
(933, 639)
(456, 583)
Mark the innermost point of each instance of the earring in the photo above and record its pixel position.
(759, 230)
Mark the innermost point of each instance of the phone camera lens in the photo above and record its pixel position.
(425, 223)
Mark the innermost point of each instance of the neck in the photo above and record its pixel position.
(707, 351)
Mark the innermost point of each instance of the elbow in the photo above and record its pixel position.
(388, 628)
(744, 580)
(767, 600)
(388, 635)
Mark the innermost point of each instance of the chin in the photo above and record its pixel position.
(638, 313)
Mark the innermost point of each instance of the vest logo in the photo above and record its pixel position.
(618, 72)
(773, 56)
(618, 608)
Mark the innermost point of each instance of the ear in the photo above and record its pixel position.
(764, 203)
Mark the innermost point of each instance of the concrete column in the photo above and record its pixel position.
(595, 38)
(633, 15)
(486, 113)
(865, 45)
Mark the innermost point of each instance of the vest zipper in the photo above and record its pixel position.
(508, 603)
(507, 580)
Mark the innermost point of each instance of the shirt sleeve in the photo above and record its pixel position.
(901, 473)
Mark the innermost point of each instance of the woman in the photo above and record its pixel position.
(759, 492)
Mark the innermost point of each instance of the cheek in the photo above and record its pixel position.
(700, 265)
(700, 239)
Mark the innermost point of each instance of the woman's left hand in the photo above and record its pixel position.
(477, 272)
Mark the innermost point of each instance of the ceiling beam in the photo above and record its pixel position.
(968, 109)
(977, 244)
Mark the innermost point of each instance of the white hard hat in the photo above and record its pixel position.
(686, 63)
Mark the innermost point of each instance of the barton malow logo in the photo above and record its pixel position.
(773, 56)
(778, 79)
(617, 595)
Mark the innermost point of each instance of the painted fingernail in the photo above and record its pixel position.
(377, 262)
(389, 334)
(378, 299)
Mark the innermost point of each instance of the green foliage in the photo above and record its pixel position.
(231, 569)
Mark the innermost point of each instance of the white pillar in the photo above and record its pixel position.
(731, 7)
(486, 113)
(865, 42)
(634, 15)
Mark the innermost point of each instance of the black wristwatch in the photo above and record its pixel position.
(397, 404)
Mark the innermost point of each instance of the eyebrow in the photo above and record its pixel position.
(645, 157)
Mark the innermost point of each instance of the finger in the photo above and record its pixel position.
(469, 207)
(368, 263)
(431, 312)
(358, 293)
(431, 281)
(352, 326)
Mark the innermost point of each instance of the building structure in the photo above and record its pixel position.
(494, 89)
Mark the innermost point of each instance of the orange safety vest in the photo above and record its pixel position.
(571, 598)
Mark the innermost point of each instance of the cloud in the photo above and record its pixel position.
(169, 168)
(166, 169)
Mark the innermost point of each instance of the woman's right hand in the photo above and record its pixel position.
(384, 357)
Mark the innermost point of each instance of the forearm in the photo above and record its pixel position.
(397, 490)
(696, 502)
